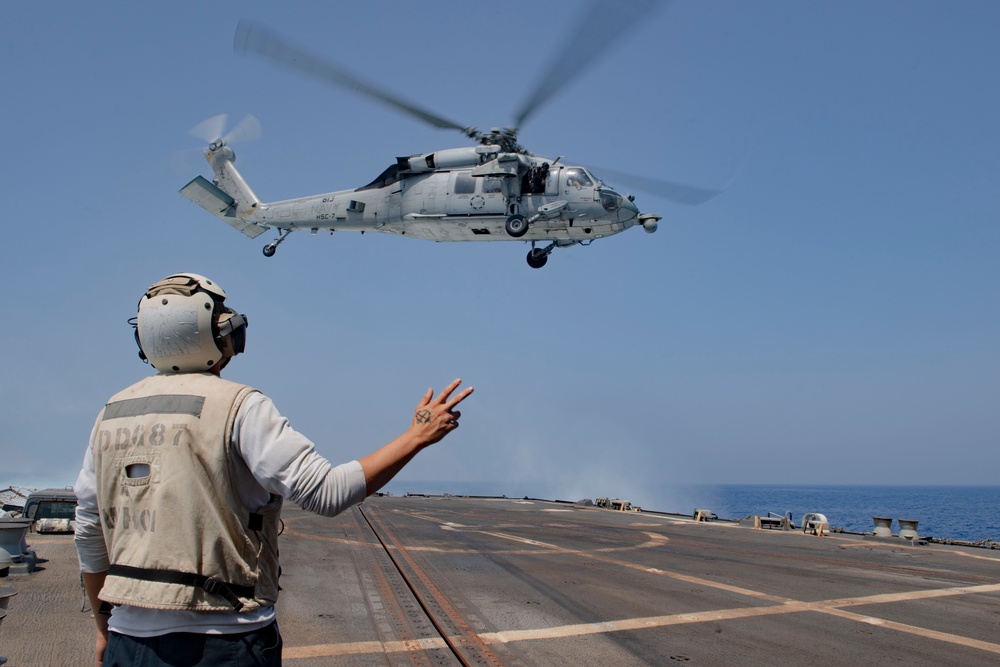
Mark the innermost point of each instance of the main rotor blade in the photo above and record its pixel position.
(254, 38)
(606, 24)
(691, 195)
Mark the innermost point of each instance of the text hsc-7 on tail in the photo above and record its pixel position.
(493, 191)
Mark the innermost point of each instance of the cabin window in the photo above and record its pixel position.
(577, 178)
(465, 184)
(491, 185)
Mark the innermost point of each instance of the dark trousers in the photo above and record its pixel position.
(260, 648)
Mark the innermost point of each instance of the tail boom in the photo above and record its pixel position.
(229, 198)
(220, 204)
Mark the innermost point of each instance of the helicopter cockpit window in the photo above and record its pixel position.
(578, 178)
(611, 200)
(387, 177)
(465, 184)
(492, 185)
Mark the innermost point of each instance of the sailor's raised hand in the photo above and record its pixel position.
(436, 416)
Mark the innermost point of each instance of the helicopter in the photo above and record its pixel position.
(495, 190)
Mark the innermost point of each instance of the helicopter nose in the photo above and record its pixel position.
(629, 210)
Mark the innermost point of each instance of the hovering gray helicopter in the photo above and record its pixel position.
(494, 191)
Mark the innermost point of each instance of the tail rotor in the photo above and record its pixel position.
(211, 130)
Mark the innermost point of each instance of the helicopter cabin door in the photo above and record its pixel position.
(475, 196)
(552, 181)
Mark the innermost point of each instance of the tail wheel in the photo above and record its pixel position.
(270, 248)
(517, 225)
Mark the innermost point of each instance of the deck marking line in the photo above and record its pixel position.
(822, 606)
(642, 568)
(466, 644)
(885, 598)
(918, 631)
(853, 543)
(655, 540)
(362, 648)
(580, 629)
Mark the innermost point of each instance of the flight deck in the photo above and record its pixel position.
(419, 580)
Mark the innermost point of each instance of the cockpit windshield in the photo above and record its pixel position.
(387, 177)
(577, 178)
(611, 200)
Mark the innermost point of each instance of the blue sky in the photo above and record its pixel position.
(831, 318)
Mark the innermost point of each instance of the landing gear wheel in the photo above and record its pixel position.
(516, 226)
(270, 248)
(537, 258)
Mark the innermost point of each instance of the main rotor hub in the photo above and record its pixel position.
(505, 137)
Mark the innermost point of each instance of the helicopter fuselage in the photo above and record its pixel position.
(455, 206)
(460, 194)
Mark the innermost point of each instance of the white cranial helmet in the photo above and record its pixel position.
(183, 326)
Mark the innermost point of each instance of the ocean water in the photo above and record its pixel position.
(957, 512)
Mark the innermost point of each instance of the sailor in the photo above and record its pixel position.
(181, 490)
(537, 179)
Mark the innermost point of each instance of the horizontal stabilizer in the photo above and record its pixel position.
(218, 203)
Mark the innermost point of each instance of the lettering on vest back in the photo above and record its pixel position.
(127, 518)
(122, 439)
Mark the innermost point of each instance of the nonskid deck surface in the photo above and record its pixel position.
(453, 581)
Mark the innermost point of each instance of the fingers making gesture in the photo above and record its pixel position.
(436, 417)
(433, 418)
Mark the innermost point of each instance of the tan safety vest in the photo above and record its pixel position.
(178, 535)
